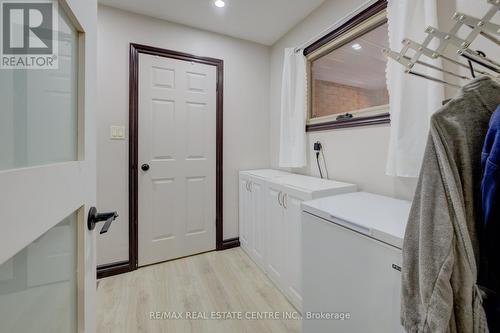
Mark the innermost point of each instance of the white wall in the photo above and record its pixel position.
(355, 155)
(246, 111)
(251, 110)
(478, 9)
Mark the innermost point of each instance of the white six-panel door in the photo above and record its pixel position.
(177, 140)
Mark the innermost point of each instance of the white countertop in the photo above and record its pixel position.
(266, 173)
(311, 183)
(377, 216)
(299, 182)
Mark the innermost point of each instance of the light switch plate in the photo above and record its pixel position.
(117, 133)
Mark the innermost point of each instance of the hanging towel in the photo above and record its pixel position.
(293, 111)
(412, 100)
(440, 250)
(490, 241)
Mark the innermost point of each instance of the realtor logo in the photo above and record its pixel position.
(29, 34)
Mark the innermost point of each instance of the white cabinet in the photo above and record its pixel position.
(246, 223)
(293, 232)
(275, 239)
(252, 218)
(259, 240)
(270, 222)
(284, 240)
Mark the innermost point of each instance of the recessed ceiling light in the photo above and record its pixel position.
(356, 46)
(219, 3)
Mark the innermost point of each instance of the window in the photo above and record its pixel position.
(347, 73)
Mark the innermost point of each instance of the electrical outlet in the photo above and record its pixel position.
(117, 133)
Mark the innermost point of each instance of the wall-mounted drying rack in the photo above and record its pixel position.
(449, 41)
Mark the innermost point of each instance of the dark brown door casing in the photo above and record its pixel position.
(221, 244)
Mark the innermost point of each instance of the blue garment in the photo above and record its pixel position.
(490, 233)
(490, 161)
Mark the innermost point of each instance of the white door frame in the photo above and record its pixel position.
(135, 50)
(34, 199)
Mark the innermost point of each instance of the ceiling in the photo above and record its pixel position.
(363, 68)
(261, 21)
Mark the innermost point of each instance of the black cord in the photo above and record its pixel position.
(324, 163)
(319, 167)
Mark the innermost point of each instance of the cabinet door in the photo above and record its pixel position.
(245, 215)
(258, 216)
(275, 237)
(293, 249)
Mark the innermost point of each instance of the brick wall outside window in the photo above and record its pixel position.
(334, 98)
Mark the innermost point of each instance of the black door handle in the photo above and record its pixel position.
(145, 167)
(95, 217)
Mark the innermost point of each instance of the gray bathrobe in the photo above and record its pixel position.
(440, 251)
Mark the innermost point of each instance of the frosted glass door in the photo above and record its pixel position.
(38, 285)
(39, 108)
(48, 179)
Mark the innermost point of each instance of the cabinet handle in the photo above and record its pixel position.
(285, 200)
(279, 198)
(246, 185)
(250, 186)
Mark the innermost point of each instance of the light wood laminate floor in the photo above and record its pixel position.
(226, 281)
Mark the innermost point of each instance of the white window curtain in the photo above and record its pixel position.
(413, 100)
(293, 111)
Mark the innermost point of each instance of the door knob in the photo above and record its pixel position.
(95, 217)
(145, 167)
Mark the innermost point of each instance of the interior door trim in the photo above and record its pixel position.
(135, 50)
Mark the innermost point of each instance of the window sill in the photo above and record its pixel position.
(383, 118)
